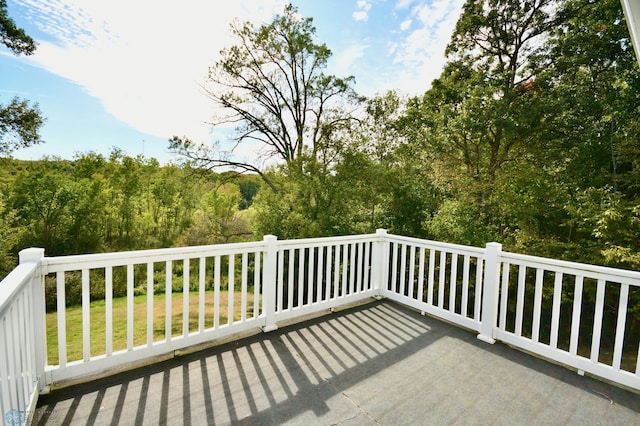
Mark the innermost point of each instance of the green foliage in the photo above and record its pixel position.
(44, 199)
(284, 213)
(459, 222)
(12, 36)
(249, 187)
(614, 222)
(530, 136)
(217, 218)
(535, 112)
(19, 125)
(97, 204)
(19, 121)
(10, 233)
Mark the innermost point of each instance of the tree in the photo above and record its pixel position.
(271, 86)
(10, 234)
(479, 121)
(589, 81)
(19, 121)
(126, 185)
(396, 190)
(44, 198)
(532, 130)
(479, 111)
(217, 218)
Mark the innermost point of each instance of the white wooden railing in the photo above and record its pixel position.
(442, 280)
(22, 338)
(574, 336)
(214, 291)
(519, 300)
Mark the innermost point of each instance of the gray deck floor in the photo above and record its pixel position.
(379, 363)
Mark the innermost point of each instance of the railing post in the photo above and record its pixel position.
(36, 255)
(269, 283)
(379, 262)
(490, 288)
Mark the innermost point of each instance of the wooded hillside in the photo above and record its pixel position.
(529, 137)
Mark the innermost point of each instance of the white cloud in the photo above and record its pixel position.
(362, 14)
(144, 59)
(420, 55)
(345, 59)
(404, 4)
(435, 14)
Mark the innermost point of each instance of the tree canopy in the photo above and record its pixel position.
(530, 136)
(272, 87)
(20, 122)
(12, 36)
(533, 121)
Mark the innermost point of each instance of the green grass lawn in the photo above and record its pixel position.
(98, 322)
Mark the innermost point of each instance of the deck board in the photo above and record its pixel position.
(378, 363)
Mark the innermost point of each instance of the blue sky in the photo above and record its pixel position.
(127, 74)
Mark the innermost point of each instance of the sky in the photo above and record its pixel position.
(128, 74)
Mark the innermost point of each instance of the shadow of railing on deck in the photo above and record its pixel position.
(283, 374)
(276, 377)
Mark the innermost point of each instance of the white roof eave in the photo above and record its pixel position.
(631, 10)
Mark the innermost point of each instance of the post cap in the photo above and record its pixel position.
(31, 255)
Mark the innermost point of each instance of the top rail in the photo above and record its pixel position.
(323, 241)
(574, 268)
(438, 245)
(13, 284)
(100, 260)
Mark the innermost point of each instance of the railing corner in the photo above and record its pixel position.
(269, 283)
(489, 310)
(379, 263)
